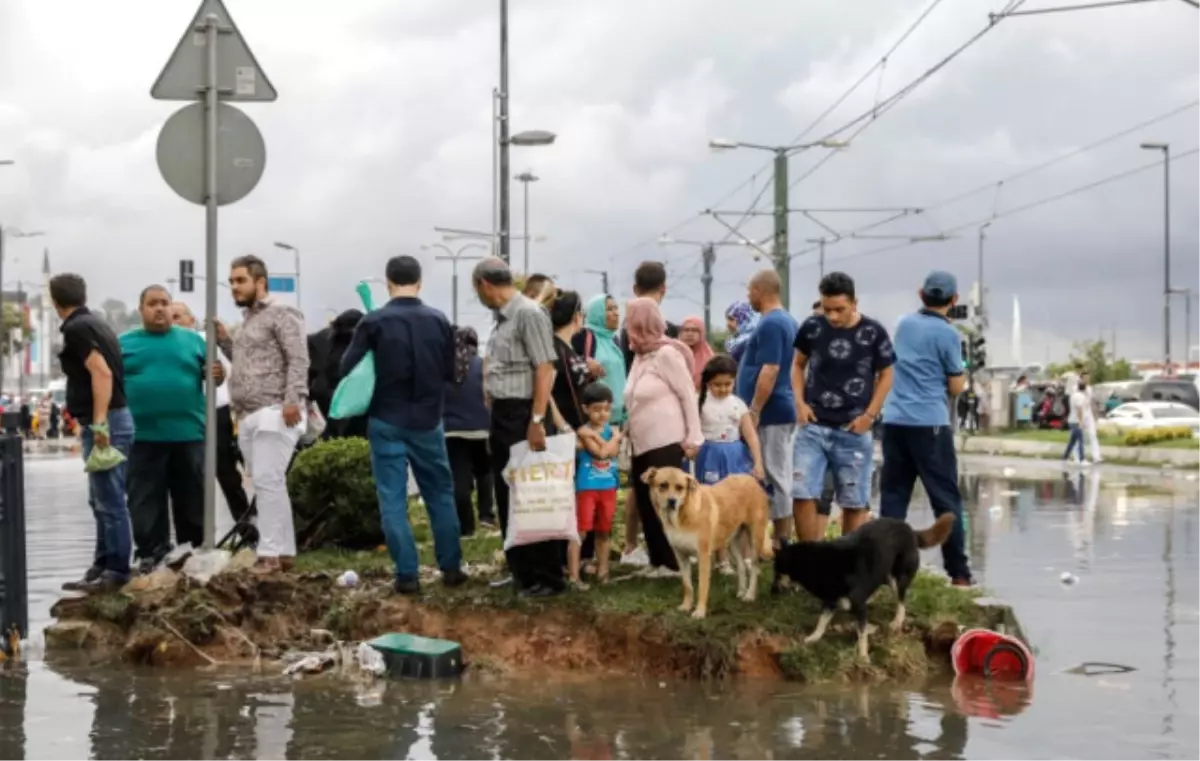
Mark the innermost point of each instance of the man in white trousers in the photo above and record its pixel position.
(268, 390)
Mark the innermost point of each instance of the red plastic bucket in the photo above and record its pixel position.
(993, 655)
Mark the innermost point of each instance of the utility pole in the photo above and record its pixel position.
(502, 97)
(1166, 152)
(708, 255)
(981, 310)
(454, 257)
(527, 177)
(603, 280)
(783, 262)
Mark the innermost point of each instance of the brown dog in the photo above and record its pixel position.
(700, 520)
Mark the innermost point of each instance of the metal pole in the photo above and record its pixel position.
(454, 291)
(782, 262)
(296, 258)
(504, 168)
(1187, 330)
(526, 183)
(821, 259)
(210, 281)
(708, 254)
(21, 333)
(495, 170)
(981, 315)
(1167, 259)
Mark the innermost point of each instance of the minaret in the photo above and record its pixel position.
(1016, 332)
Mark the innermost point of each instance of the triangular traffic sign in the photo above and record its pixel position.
(239, 77)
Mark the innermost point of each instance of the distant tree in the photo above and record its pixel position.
(1093, 358)
(16, 328)
(119, 316)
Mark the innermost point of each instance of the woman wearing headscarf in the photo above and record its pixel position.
(467, 422)
(663, 416)
(597, 343)
(341, 333)
(693, 335)
(740, 319)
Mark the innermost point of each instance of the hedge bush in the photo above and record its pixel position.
(333, 495)
(1154, 435)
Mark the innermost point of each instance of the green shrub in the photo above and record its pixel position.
(333, 495)
(1154, 435)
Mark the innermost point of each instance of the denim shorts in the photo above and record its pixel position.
(849, 456)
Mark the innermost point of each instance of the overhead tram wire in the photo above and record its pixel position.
(1029, 206)
(879, 64)
(999, 184)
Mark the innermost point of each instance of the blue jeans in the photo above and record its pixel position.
(1076, 440)
(106, 496)
(925, 452)
(849, 456)
(392, 448)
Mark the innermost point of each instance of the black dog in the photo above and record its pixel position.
(848, 570)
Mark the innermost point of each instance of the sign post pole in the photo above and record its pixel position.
(210, 282)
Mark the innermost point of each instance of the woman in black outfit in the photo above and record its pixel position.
(341, 332)
(467, 421)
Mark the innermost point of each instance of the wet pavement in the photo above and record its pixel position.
(1128, 535)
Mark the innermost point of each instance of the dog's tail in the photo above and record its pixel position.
(938, 533)
(759, 531)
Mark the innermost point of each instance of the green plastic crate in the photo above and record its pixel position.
(409, 656)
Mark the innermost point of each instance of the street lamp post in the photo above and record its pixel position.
(454, 257)
(529, 138)
(1166, 152)
(779, 251)
(708, 258)
(296, 259)
(527, 177)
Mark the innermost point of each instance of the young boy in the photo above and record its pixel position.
(596, 478)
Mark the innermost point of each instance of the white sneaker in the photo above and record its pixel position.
(637, 557)
(661, 572)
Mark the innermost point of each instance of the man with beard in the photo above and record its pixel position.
(268, 390)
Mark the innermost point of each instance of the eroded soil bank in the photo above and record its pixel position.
(627, 626)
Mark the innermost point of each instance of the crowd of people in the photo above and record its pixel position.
(791, 401)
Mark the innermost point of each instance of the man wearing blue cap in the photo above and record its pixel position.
(918, 440)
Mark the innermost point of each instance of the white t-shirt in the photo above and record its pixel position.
(720, 420)
(1081, 409)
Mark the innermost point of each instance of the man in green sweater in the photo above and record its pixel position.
(164, 381)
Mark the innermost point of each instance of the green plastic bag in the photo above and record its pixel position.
(353, 395)
(102, 458)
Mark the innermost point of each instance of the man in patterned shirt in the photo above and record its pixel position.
(841, 375)
(268, 388)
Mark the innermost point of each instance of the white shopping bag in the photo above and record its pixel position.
(541, 488)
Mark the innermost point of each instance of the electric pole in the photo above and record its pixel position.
(779, 252)
(454, 257)
(708, 255)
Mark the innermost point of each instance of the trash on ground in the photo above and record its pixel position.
(992, 654)
(348, 579)
(203, 565)
(1068, 578)
(370, 660)
(1096, 668)
(311, 664)
(178, 556)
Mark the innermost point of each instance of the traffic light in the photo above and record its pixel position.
(978, 352)
(187, 275)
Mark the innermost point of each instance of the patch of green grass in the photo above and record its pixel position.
(117, 608)
(1061, 437)
(366, 563)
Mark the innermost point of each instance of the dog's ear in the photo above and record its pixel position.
(648, 476)
(692, 485)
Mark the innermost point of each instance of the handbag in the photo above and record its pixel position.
(541, 492)
(352, 397)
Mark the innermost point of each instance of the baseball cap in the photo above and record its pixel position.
(940, 285)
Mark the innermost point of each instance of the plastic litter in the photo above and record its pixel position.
(311, 664)
(102, 458)
(202, 566)
(1095, 668)
(348, 580)
(992, 655)
(370, 660)
(1068, 578)
(176, 557)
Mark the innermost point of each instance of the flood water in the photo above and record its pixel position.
(1129, 536)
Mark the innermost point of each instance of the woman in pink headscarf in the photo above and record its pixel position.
(663, 416)
(693, 335)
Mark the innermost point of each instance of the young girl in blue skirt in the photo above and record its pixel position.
(730, 437)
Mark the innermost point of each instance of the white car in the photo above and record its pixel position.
(1143, 415)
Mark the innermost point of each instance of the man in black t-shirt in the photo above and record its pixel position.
(841, 375)
(91, 360)
(649, 281)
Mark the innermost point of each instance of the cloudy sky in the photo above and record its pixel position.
(382, 130)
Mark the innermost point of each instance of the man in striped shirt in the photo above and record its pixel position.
(518, 375)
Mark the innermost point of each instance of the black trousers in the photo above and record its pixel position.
(228, 475)
(531, 564)
(471, 465)
(657, 546)
(158, 470)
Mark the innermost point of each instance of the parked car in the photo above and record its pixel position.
(1170, 390)
(1144, 415)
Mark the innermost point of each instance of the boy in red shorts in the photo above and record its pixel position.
(596, 478)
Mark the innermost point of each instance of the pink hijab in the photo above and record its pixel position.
(701, 352)
(647, 330)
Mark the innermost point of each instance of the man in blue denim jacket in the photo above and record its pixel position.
(91, 360)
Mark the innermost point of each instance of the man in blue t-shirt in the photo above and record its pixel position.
(841, 375)
(763, 384)
(918, 439)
